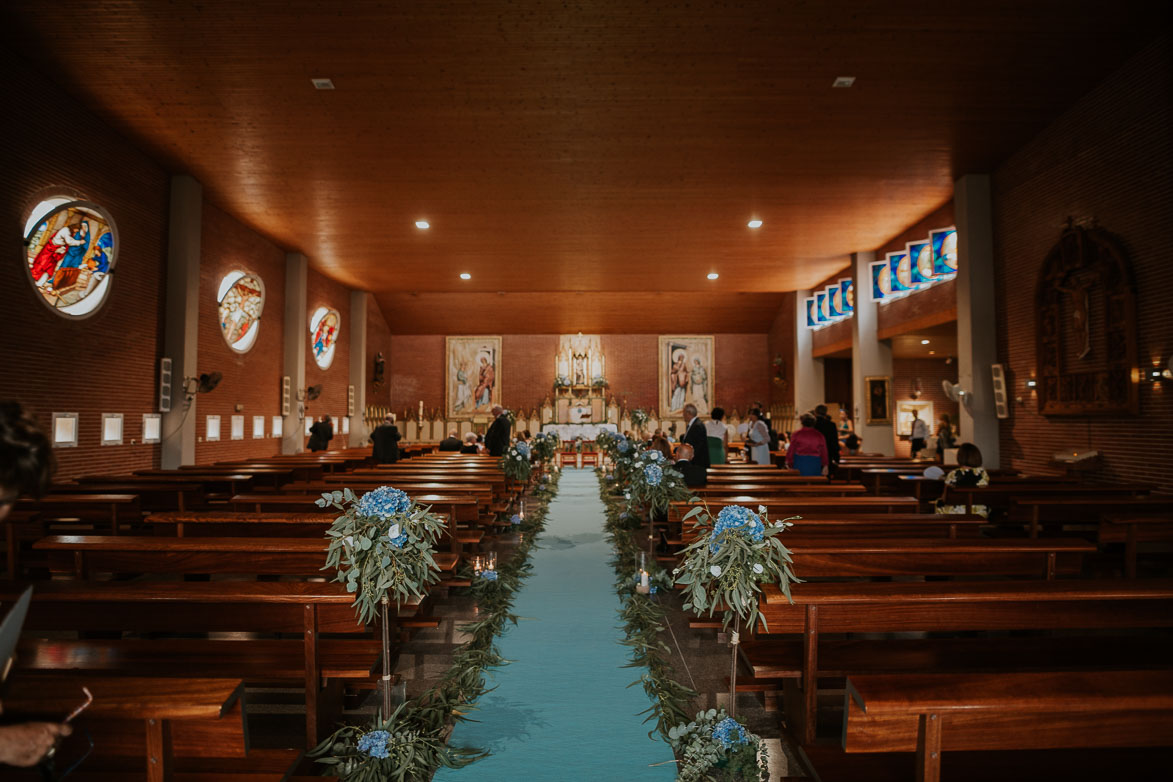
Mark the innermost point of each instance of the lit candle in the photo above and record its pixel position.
(643, 579)
(421, 409)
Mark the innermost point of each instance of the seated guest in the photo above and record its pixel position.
(852, 442)
(808, 449)
(526, 436)
(717, 434)
(451, 442)
(385, 439)
(969, 474)
(321, 433)
(471, 443)
(26, 465)
(694, 475)
(660, 443)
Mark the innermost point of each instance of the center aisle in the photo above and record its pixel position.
(562, 710)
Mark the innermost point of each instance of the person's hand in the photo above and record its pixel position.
(26, 743)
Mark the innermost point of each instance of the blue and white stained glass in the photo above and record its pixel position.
(901, 273)
(821, 307)
(847, 286)
(944, 244)
(920, 255)
(834, 302)
(881, 281)
(812, 314)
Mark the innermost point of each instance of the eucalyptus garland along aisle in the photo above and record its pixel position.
(562, 709)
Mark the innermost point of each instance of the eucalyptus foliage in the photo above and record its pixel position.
(732, 556)
(714, 746)
(382, 544)
(545, 446)
(653, 483)
(640, 418)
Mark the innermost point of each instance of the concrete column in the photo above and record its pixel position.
(809, 388)
(297, 330)
(976, 325)
(871, 357)
(181, 319)
(358, 365)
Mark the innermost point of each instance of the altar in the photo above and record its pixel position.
(568, 432)
(580, 381)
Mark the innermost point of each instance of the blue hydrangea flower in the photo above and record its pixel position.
(489, 575)
(655, 456)
(653, 474)
(740, 518)
(729, 732)
(515, 518)
(523, 449)
(375, 744)
(653, 590)
(383, 503)
(623, 446)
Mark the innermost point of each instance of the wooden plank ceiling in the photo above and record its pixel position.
(586, 154)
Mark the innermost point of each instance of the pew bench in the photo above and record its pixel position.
(1133, 529)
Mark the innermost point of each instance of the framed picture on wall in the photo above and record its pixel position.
(472, 376)
(879, 409)
(686, 375)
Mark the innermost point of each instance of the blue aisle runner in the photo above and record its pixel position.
(562, 710)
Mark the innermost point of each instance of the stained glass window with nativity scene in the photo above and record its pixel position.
(70, 251)
(242, 300)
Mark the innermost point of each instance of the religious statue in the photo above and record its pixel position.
(1078, 290)
(377, 373)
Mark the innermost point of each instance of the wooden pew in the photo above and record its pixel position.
(951, 606)
(1086, 508)
(115, 507)
(1133, 528)
(1004, 495)
(931, 713)
(780, 507)
(783, 489)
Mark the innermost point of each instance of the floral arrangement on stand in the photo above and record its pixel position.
(640, 418)
(561, 381)
(714, 746)
(598, 381)
(726, 565)
(653, 483)
(545, 446)
(411, 743)
(516, 463)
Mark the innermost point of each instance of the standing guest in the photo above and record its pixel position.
(695, 476)
(321, 433)
(967, 475)
(945, 437)
(920, 433)
(808, 449)
(386, 441)
(757, 438)
(695, 435)
(826, 427)
(718, 436)
(497, 438)
(26, 465)
(846, 426)
(451, 442)
(471, 445)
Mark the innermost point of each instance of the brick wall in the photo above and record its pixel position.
(252, 380)
(929, 372)
(1109, 159)
(324, 292)
(780, 342)
(378, 341)
(107, 362)
(742, 370)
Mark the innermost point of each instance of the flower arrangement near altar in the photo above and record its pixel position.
(732, 557)
(640, 418)
(715, 746)
(516, 463)
(545, 446)
(654, 483)
(382, 544)
(598, 381)
(561, 381)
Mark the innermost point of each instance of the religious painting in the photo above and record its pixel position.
(71, 250)
(847, 286)
(324, 326)
(920, 265)
(472, 376)
(686, 375)
(812, 317)
(901, 273)
(834, 302)
(944, 244)
(879, 407)
(241, 301)
(881, 281)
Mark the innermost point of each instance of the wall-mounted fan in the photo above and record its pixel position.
(955, 392)
(203, 384)
(313, 392)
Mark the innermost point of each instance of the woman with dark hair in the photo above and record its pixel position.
(717, 435)
(808, 449)
(660, 443)
(321, 433)
(969, 473)
(757, 438)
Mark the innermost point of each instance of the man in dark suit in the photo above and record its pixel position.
(695, 476)
(451, 442)
(826, 427)
(321, 433)
(696, 436)
(386, 442)
(497, 438)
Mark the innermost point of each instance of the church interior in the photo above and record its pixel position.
(390, 385)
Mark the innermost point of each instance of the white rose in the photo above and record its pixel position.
(762, 509)
(758, 569)
(349, 540)
(393, 532)
(716, 571)
(779, 524)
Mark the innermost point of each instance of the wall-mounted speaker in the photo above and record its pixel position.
(350, 400)
(1001, 403)
(285, 385)
(164, 385)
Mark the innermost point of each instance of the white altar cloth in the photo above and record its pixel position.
(585, 431)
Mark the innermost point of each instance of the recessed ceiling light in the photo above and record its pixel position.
(755, 223)
(843, 82)
(932, 352)
(423, 225)
(924, 342)
(713, 275)
(322, 84)
(465, 276)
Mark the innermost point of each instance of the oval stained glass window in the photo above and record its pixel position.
(241, 299)
(70, 251)
(324, 326)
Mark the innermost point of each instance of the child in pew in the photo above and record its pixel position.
(26, 465)
(968, 474)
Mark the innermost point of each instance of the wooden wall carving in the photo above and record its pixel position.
(1086, 326)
